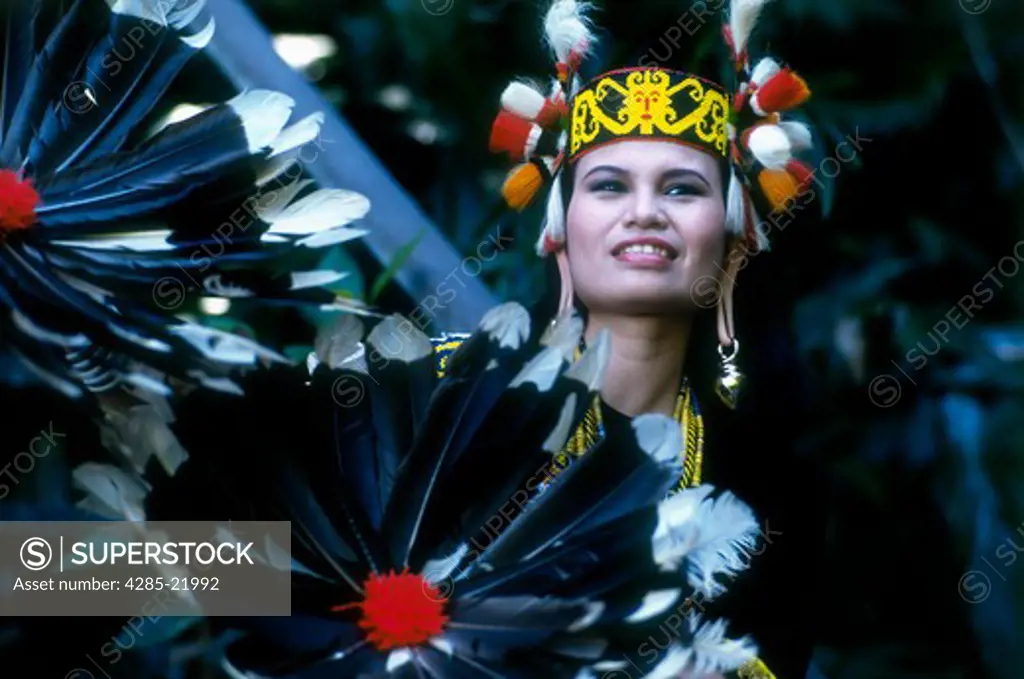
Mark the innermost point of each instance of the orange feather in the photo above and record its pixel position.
(521, 185)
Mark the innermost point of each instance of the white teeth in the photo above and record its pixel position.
(647, 250)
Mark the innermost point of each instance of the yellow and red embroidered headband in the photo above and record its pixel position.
(542, 131)
(649, 103)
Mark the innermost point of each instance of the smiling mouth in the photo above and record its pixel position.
(645, 249)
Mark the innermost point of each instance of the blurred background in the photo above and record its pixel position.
(883, 332)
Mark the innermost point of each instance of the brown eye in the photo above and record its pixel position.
(607, 186)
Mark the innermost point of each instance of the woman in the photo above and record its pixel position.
(651, 214)
(399, 486)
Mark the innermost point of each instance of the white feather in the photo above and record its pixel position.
(142, 241)
(397, 658)
(148, 342)
(341, 342)
(27, 326)
(271, 204)
(216, 286)
(99, 294)
(727, 530)
(678, 528)
(397, 338)
(312, 279)
(264, 114)
(325, 239)
(508, 324)
(659, 436)
(178, 14)
(224, 347)
(565, 332)
(734, 216)
(770, 145)
(65, 387)
(272, 169)
(111, 492)
(443, 645)
(799, 135)
(654, 603)
(589, 369)
(594, 611)
(560, 432)
(566, 27)
(222, 384)
(298, 134)
(764, 69)
(554, 217)
(714, 653)
(203, 37)
(320, 210)
(437, 571)
(743, 16)
(147, 383)
(542, 370)
(672, 664)
(142, 432)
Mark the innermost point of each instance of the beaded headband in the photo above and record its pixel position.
(543, 131)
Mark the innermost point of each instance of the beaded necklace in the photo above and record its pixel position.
(686, 413)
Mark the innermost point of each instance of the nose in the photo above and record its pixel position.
(646, 211)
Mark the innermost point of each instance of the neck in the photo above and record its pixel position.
(645, 365)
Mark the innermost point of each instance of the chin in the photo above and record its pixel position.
(646, 301)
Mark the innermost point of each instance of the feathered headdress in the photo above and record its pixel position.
(542, 131)
(101, 237)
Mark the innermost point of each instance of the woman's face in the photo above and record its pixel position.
(646, 222)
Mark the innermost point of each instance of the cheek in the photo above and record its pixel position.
(703, 233)
(585, 229)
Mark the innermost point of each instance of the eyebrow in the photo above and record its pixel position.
(677, 173)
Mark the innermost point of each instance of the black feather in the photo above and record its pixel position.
(162, 171)
(124, 75)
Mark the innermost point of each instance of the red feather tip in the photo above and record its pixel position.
(510, 134)
(551, 245)
(399, 610)
(18, 202)
(801, 172)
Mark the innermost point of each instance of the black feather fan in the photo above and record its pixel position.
(100, 243)
(425, 541)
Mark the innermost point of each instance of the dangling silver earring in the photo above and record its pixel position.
(729, 383)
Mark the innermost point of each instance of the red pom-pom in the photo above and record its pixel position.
(510, 134)
(783, 91)
(400, 610)
(18, 202)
